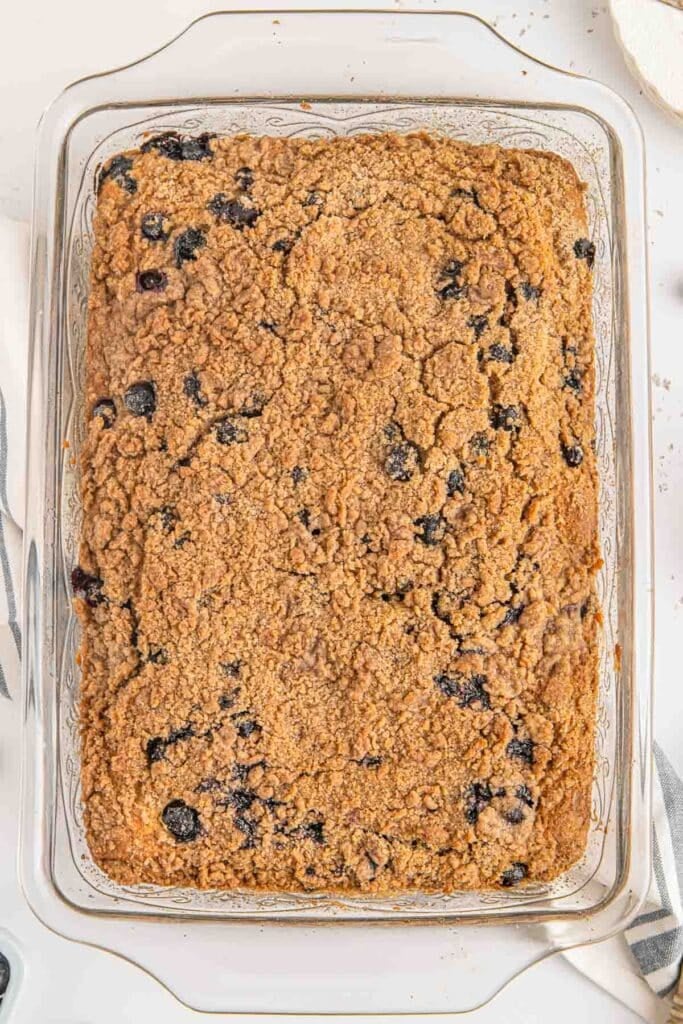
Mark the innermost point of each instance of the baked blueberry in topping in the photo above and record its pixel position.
(140, 399)
(573, 455)
(240, 799)
(530, 291)
(158, 656)
(432, 529)
(521, 750)
(313, 830)
(172, 146)
(231, 668)
(523, 793)
(168, 518)
(283, 245)
(244, 177)
(584, 250)
(106, 410)
(228, 432)
(181, 820)
(480, 444)
(248, 828)
(186, 244)
(4, 974)
(254, 406)
(233, 212)
(155, 749)
(299, 474)
(247, 727)
(453, 268)
(310, 871)
(314, 199)
(192, 387)
(402, 462)
(514, 816)
(477, 798)
(268, 325)
(369, 761)
(573, 381)
(513, 875)
(512, 615)
(504, 417)
(87, 586)
(152, 227)
(455, 483)
(228, 700)
(467, 690)
(151, 281)
(452, 290)
(117, 169)
(478, 325)
(499, 354)
(304, 517)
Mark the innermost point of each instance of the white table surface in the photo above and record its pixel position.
(44, 44)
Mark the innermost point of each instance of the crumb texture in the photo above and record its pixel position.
(336, 575)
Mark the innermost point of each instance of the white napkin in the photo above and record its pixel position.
(14, 261)
(610, 964)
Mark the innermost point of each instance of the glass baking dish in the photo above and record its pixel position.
(358, 71)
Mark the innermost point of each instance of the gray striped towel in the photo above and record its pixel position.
(655, 937)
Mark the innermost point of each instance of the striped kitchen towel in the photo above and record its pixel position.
(655, 937)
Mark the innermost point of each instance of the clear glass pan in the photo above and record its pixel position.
(360, 71)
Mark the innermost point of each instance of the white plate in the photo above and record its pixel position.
(651, 35)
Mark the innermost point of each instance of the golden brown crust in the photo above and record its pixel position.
(345, 632)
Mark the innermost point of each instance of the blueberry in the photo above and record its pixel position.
(313, 830)
(151, 281)
(106, 410)
(192, 388)
(452, 290)
(228, 432)
(514, 816)
(299, 474)
(504, 417)
(233, 212)
(117, 169)
(402, 462)
(584, 250)
(478, 325)
(512, 615)
(573, 381)
(170, 145)
(521, 750)
(240, 799)
(207, 785)
(453, 268)
(248, 828)
(433, 529)
(228, 700)
(169, 517)
(500, 354)
(314, 199)
(158, 656)
(140, 399)
(268, 325)
(87, 586)
(155, 749)
(513, 875)
(231, 668)
(244, 176)
(573, 455)
(186, 244)
(530, 291)
(467, 690)
(477, 798)
(4, 974)
(254, 406)
(480, 444)
(455, 483)
(152, 227)
(369, 761)
(283, 245)
(182, 821)
(523, 793)
(247, 727)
